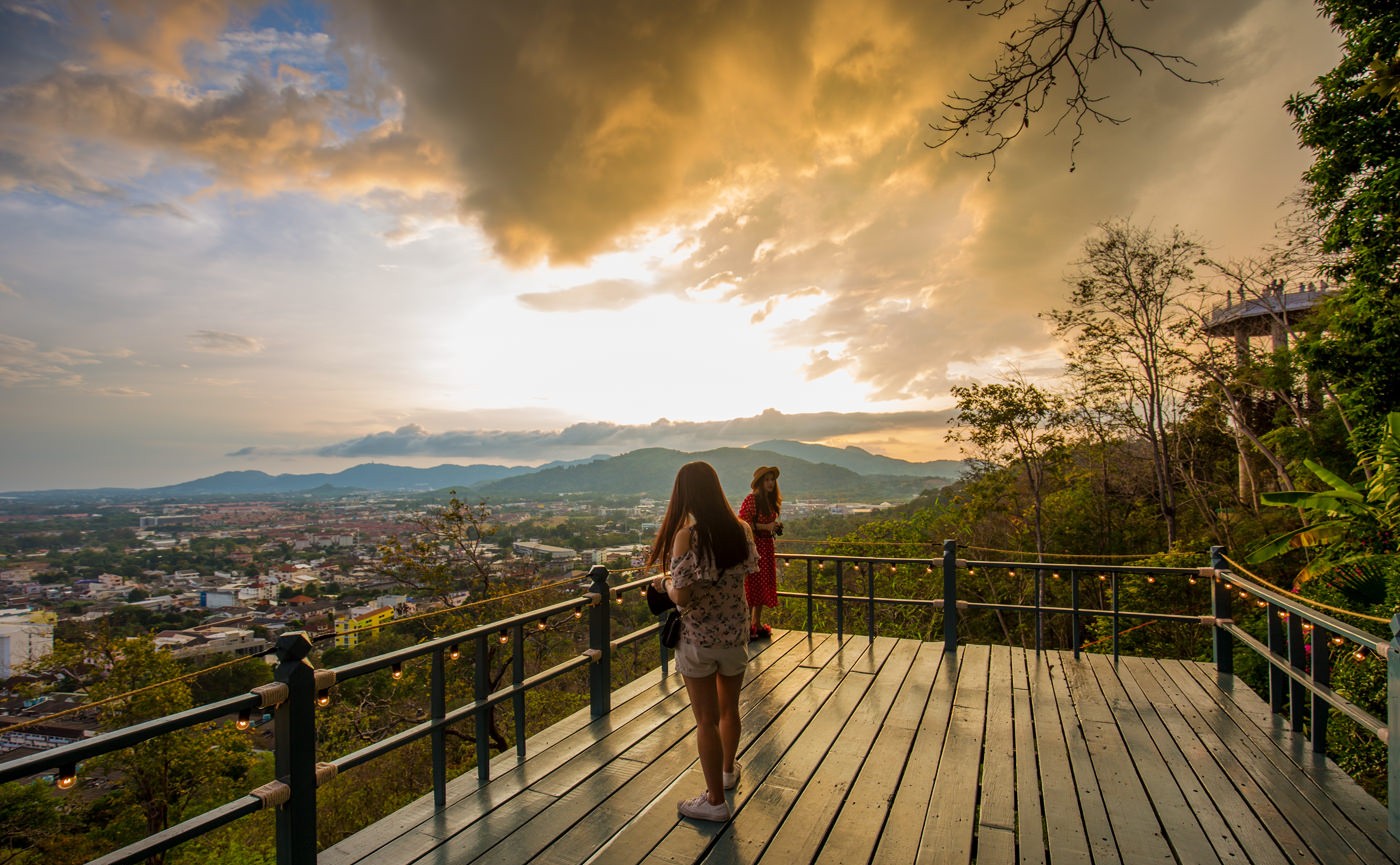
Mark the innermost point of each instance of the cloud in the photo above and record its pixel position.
(23, 363)
(586, 439)
(218, 342)
(603, 294)
(6, 291)
(121, 392)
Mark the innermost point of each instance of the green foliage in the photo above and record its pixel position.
(1350, 123)
(1352, 533)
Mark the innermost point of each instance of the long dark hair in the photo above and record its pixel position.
(718, 531)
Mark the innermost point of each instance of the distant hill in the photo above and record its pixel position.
(862, 461)
(652, 472)
(366, 476)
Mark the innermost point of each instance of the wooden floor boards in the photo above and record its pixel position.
(895, 752)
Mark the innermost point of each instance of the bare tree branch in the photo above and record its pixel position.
(1048, 57)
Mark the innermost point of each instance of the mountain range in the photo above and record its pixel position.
(806, 470)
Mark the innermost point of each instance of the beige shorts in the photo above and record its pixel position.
(696, 662)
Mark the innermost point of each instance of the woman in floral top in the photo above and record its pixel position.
(708, 551)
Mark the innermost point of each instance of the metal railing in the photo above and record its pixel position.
(298, 690)
(1298, 678)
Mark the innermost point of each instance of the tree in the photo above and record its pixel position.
(164, 776)
(444, 552)
(1050, 54)
(1133, 307)
(1351, 122)
(1015, 421)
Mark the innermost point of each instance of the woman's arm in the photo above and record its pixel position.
(680, 545)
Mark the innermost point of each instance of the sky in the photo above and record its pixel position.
(295, 237)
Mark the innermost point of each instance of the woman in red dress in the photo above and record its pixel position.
(761, 509)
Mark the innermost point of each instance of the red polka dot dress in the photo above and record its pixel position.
(761, 586)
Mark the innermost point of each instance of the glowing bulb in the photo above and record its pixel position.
(245, 719)
(504, 637)
(1262, 603)
(1152, 579)
(323, 697)
(540, 625)
(1360, 654)
(1283, 614)
(1192, 580)
(1307, 627)
(454, 652)
(1055, 574)
(1011, 572)
(67, 777)
(396, 670)
(1103, 578)
(1337, 641)
(578, 614)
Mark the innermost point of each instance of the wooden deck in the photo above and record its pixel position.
(894, 752)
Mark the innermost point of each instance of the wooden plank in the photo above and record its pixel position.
(1225, 815)
(1076, 824)
(1344, 799)
(952, 809)
(605, 821)
(787, 754)
(857, 779)
(911, 798)
(996, 807)
(1254, 769)
(1167, 805)
(1031, 843)
(1136, 831)
(657, 825)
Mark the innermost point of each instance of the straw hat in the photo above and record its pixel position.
(759, 472)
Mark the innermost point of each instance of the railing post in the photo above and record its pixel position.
(1220, 608)
(437, 710)
(481, 689)
(1321, 675)
(294, 725)
(1278, 679)
(870, 592)
(1298, 659)
(950, 596)
(600, 642)
(517, 675)
(840, 603)
(811, 587)
(1392, 667)
(1075, 627)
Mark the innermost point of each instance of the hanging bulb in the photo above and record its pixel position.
(1056, 575)
(1262, 603)
(454, 651)
(1011, 572)
(67, 777)
(1103, 578)
(1244, 596)
(1337, 641)
(578, 614)
(1283, 614)
(323, 697)
(1151, 579)
(540, 625)
(1360, 654)
(245, 719)
(1228, 587)
(1192, 580)
(1307, 627)
(396, 671)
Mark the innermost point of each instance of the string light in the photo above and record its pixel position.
(619, 596)
(1337, 640)
(396, 671)
(1103, 578)
(1244, 596)
(323, 697)
(67, 777)
(245, 719)
(1152, 579)
(504, 637)
(1192, 580)
(1307, 627)
(1055, 574)
(540, 625)
(1011, 572)
(1360, 654)
(1228, 587)
(1283, 614)
(454, 651)
(1261, 602)
(578, 613)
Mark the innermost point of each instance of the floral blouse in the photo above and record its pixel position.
(717, 616)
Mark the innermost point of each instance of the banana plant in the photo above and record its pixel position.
(1346, 526)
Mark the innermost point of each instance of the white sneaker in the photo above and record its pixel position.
(731, 779)
(700, 808)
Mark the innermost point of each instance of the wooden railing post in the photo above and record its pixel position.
(1221, 608)
(950, 596)
(1392, 667)
(600, 643)
(294, 723)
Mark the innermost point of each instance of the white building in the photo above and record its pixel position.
(25, 636)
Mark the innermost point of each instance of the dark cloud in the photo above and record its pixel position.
(584, 439)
